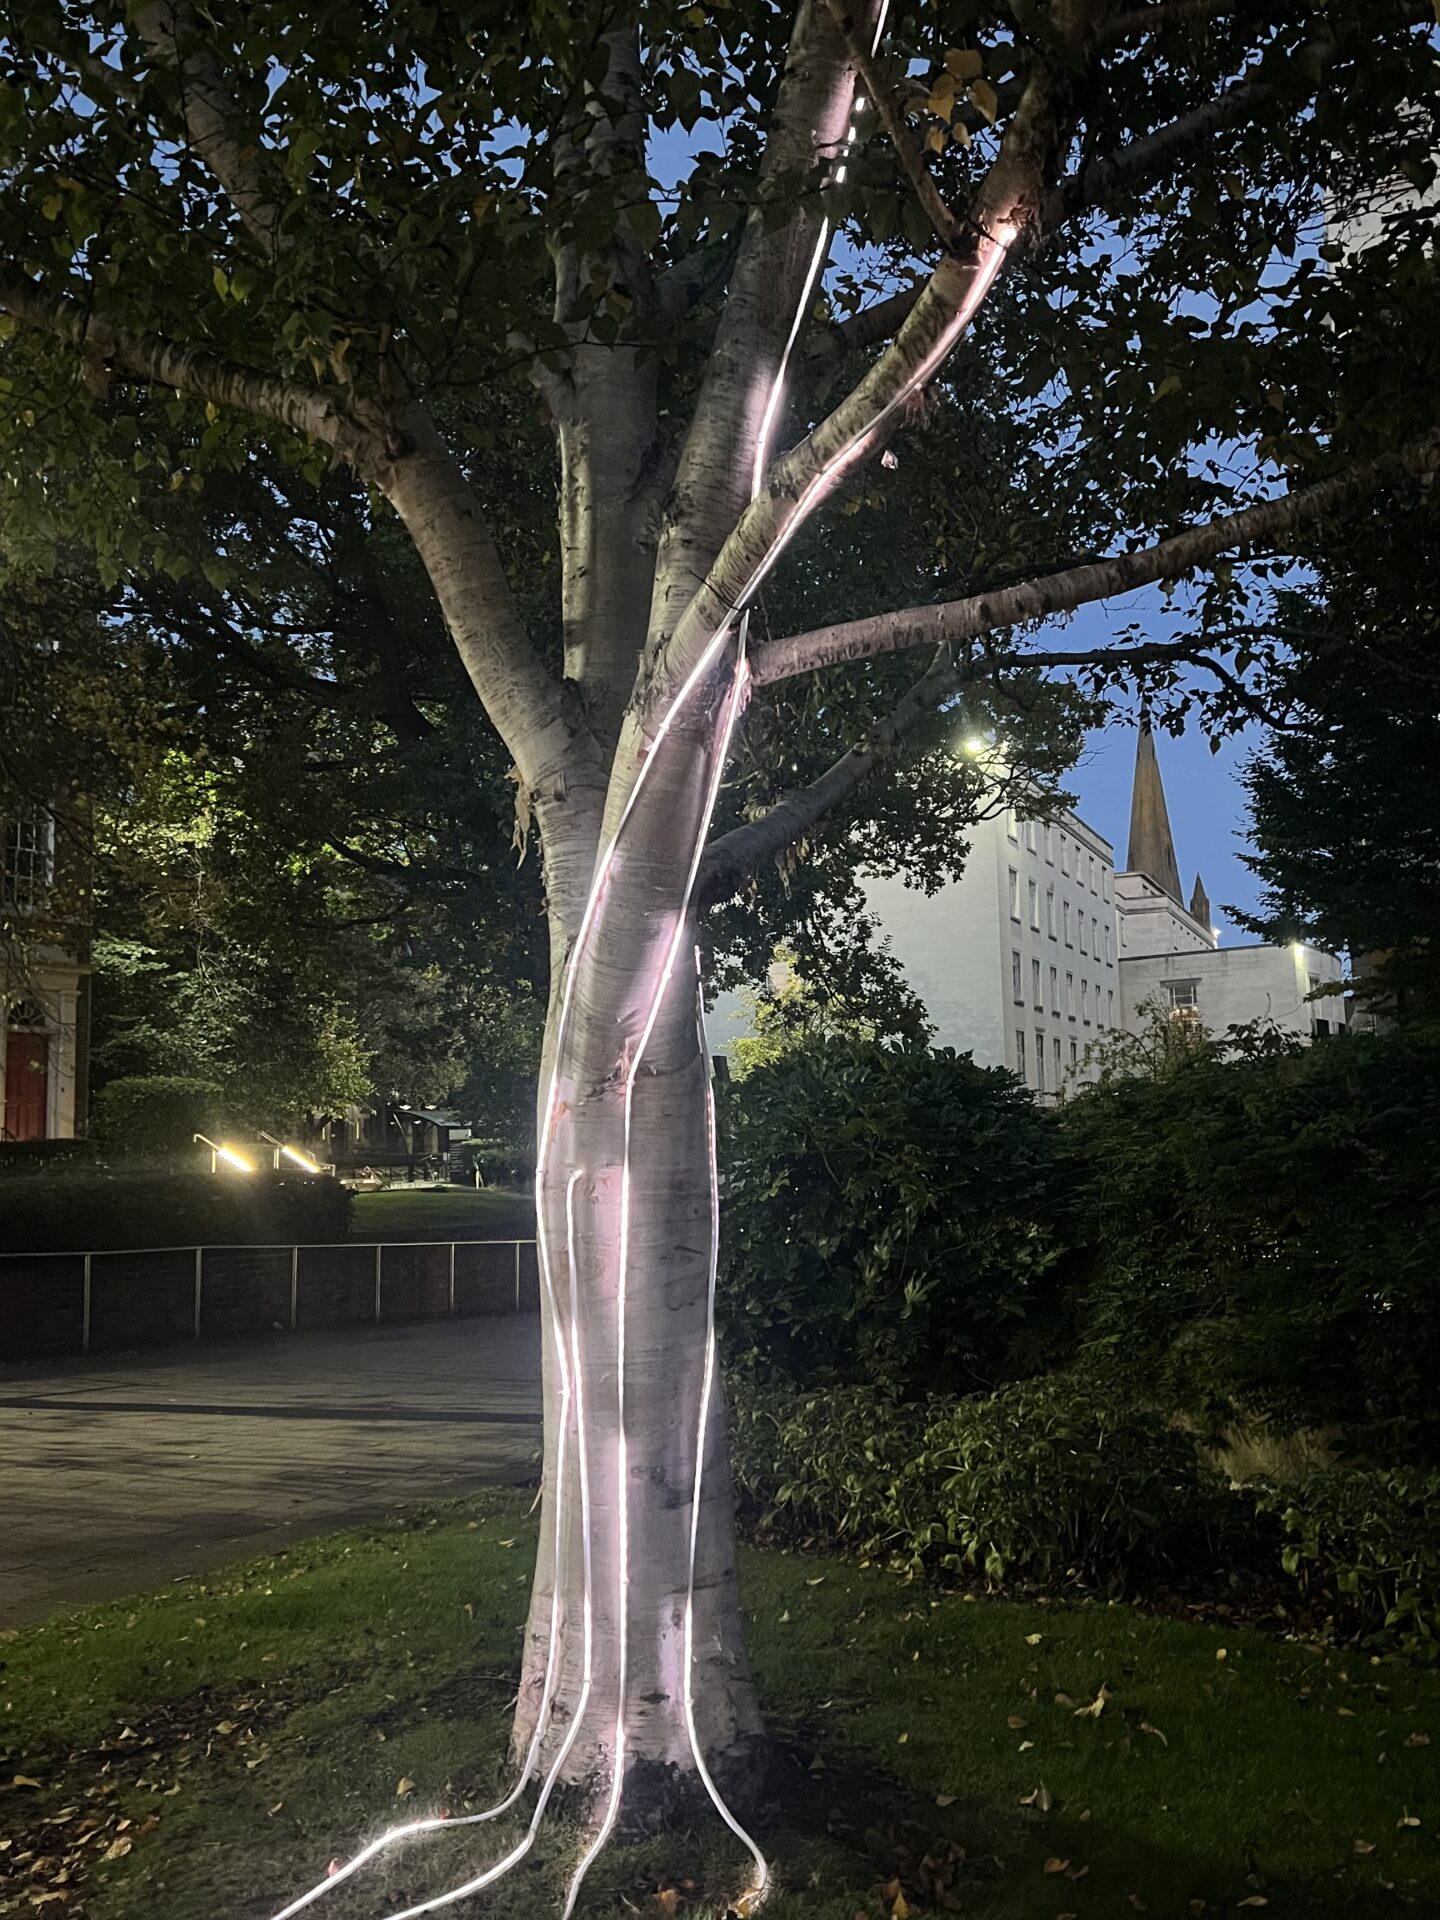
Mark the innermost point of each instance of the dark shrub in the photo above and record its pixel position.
(889, 1215)
(1054, 1481)
(147, 1116)
(1264, 1232)
(34, 1156)
(1370, 1540)
(61, 1212)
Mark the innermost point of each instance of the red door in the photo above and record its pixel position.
(27, 1082)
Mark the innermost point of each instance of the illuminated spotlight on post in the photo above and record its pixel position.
(227, 1154)
(295, 1154)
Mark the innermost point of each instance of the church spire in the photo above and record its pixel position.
(1151, 851)
(1200, 903)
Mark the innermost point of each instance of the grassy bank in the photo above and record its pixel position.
(206, 1750)
(443, 1213)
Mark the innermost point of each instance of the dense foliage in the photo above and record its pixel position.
(891, 1214)
(1343, 800)
(1262, 1232)
(142, 1116)
(1053, 1480)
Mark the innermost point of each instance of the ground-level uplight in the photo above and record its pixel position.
(295, 1154)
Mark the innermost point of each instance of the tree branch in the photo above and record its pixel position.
(1266, 524)
(911, 159)
(174, 33)
(714, 474)
(732, 858)
(160, 362)
(1005, 207)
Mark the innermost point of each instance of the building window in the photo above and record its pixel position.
(1058, 1068)
(1064, 854)
(1040, 1060)
(29, 860)
(1085, 1001)
(1020, 1052)
(1182, 996)
(1110, 1009)
(1099, 1012)
(1070, 995)
(1036, 994)
(1012, 825)
(1054, 989)
(1065, 910)
(1015, 986)
(1090, 871)
(1050, 911)
(1030, 836)
(1107, 943)
(1104, 883)
(1050, 844)
(1074, 1056)
(1014, 894)
(1083, 947)
(1034, 906)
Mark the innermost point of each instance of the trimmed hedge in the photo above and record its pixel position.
(91, 1212)
(1059, 1481)
(146, 1116)
(34, 1156)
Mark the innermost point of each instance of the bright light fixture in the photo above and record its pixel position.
(301, 1159)
(233, 1159)
(974, 746)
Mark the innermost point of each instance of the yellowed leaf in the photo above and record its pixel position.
(985, 99)
(23, 1780)
(1015, 1722)
(1364, 1846)
(404, 1788)
(118, 1849)
(964, 62)
(944, 1799)
(1055, 1864)
(1033, 1639)
(1253, 1900)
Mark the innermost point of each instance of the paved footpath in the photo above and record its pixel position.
(119, 1473)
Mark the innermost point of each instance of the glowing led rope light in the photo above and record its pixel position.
(754, 1895)
(412, 1828)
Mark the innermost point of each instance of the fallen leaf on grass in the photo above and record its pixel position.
(23, 1780)
(1408, 1820)
(118, 1849)
(1039, 1798)
(667, 1899)
(1096, 1706)
(1137, 1903)
(900, 1910)
(1015, 1722)
(1417, 1739)
(1033, 1639)
(1145, 1727)
(404, 1787)
(944, 1799)
(1055, 1864)
(1253, 1900)
(1364, 1846)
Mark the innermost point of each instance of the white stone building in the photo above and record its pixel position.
(1016, 961)
(1041, 947)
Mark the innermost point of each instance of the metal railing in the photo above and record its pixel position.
(160, 1293)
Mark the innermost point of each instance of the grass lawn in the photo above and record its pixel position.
(206, 1750)
(444, 1213)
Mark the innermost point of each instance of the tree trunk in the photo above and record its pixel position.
(628, 1223)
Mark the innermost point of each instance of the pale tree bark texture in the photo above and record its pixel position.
(635, 1695)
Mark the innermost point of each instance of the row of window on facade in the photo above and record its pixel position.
(1054, 927)
(1103, 1017)
(1056, 1077)
(1073, 857)
(27, 864)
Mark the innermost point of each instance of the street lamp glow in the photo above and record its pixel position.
(974, 746)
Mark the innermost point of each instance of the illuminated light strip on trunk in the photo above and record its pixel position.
(412, 1828)
(518, 1852)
